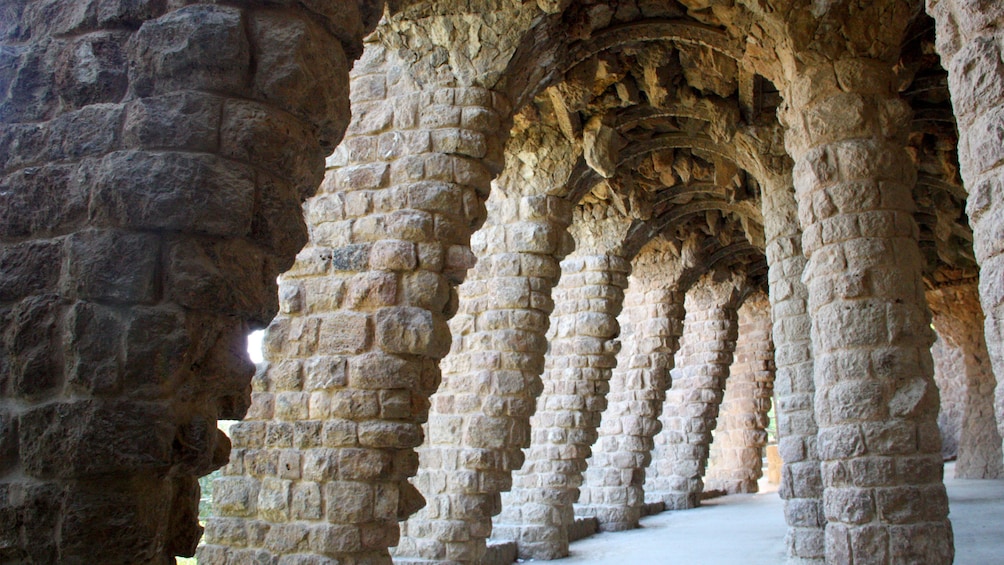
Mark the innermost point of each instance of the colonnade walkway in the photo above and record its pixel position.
(748, 529)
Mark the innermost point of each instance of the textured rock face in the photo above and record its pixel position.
(651, 324)
(871, 343)
(690, 411)
(582, 351)
(968, 393)
(969, 44)
(154, 158)
(735, 462)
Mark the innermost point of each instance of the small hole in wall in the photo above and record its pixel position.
(255, 346)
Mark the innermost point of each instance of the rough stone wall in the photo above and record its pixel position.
(958, 320)
(876, 401)
(581, 354)
(950, 376)
(969, 39)
(321, 465)
(735, 462)
(651, 324)
(801, 484)
(480, 417)
(690, 411)
(153, 158)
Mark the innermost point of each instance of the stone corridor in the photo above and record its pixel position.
(518, 262)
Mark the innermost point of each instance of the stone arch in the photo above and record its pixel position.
(482, 501)
(582, 349)
(690, 409)
(966, 41)
(735, 462)
(350, 363)
(651, 325)
(957, 320)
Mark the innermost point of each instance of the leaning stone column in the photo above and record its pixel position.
(957, 319)
(321, 466)
(876, 402)
(691, 407)
(153, 158)
(480, 418)
(651, 325)
(582, 352)
(736, 459)
(970, 39)
(801, 483)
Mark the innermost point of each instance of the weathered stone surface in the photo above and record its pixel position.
(690, 411)
(735, 461)
(873, 375)
(651, 326)
(538, 513)
(154, 157)
(967, 420)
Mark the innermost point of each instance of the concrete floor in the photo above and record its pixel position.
(748, 529)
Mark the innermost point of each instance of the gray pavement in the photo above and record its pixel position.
(748, 529)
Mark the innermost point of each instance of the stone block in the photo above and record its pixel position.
(278, 434)
(41, 200)
(234, 496)
(85, 529)
(371, 290)
(348, 502)
(31, 267)
(175, 191)
(89, 437)
(344, 332)
(285, 539)
(363, 464)
(306, 501)
(410, 330)
(201, 46)
(324, 373)
(229, 276)
(183, 120)
(273, 499)
(381, 371)
(338, 433)
(334, 539)
(389, 434)
(94, 349)
(109, 265)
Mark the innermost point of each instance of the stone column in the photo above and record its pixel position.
(958, 320)
(581, 355)
(794, 389)
(876, 402)
(970, 39)
(691, 407)
(321, 466)
(153, 158)
(736, 459)
(651, 325)
(480, 418)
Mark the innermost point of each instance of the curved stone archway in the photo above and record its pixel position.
(735, 461)
(154, 157)
(690, 410)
